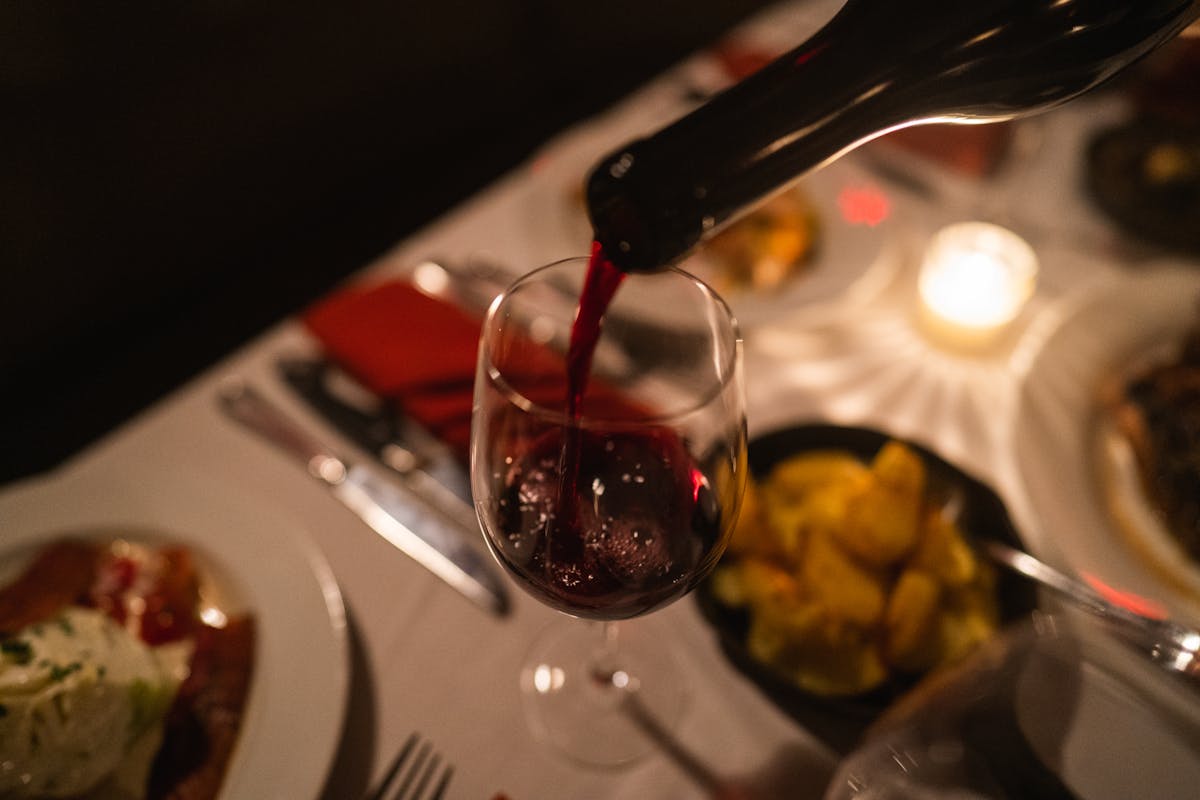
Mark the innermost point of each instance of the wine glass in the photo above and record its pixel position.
(618, 508)
(1052, 708)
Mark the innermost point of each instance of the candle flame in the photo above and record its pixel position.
(977, 275)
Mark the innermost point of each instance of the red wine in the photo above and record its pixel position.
(878, 65)
(641, 525)
(599, 286)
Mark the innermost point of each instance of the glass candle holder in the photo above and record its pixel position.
(974, 280)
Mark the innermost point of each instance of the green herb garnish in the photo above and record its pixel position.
(58, 671)
(18, 650)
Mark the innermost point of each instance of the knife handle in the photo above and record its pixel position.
(245, 405)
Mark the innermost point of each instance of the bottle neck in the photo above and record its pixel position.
(876, 66)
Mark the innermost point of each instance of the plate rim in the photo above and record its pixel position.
(107, 502)
(1040, 399)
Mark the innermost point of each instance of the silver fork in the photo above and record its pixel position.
(415, 767)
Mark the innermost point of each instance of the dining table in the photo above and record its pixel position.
(362, 647)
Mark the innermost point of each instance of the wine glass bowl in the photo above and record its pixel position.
(658, 453)
(643, 525)
(620, 505)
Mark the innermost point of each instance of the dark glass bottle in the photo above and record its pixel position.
(878, 65)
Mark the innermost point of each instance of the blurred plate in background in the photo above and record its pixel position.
(1066, 456)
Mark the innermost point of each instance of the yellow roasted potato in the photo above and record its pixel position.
(793, 480)
(831, 578)
(911, 621)
(969, 617)
(851, 573)
(943, 552)
(884, 519)
(821, 654)
(766, 585)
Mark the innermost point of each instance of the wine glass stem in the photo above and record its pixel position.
(606, 668)
(608, 674)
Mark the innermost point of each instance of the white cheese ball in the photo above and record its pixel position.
(76, 691)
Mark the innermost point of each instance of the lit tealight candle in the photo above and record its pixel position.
(975, 279)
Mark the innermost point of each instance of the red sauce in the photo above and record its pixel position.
(60, 575)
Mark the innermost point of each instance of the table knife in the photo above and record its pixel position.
(423, 464)
(360, 415)
(384, 507)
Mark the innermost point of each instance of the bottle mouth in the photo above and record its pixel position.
(637, 213)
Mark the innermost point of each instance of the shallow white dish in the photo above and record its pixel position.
(260, 562)
(1081, 489)
(856, 254)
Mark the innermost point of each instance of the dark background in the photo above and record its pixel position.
(175, 177)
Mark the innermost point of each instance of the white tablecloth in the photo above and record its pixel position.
(423, 659)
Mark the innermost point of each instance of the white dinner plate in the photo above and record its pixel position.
(1079, 481)
(261, 563)
(856, 254)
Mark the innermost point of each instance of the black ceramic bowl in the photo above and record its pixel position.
(840, 721)
(1164, 208)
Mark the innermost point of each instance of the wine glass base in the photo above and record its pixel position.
(598, 705)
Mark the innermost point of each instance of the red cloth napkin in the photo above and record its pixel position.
(407, 347)
(420, 352)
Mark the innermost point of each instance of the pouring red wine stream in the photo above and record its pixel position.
(600, 284)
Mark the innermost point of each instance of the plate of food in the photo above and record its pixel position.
(851, 573)
(1108, 441)
(827, 238)
(164, 641)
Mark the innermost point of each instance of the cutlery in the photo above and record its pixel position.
(425, 465)
(382, 506)
(414, 774)
(474, 284)
(359, 414)
(1174, 647)
(626, 689)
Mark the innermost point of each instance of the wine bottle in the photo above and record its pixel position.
(878, 65)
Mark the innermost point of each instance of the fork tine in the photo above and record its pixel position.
(440, 789)
(415, 766)
(394, 769)
(412, 772)
(424, 780)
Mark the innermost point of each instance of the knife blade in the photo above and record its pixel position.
(359, 414)
(385, 508)
(424, 465)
